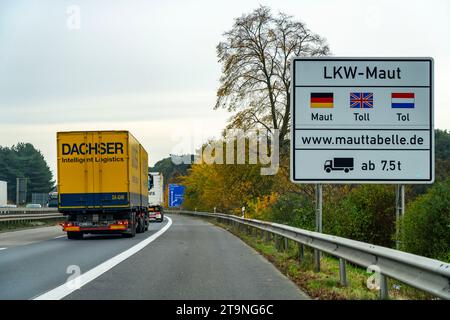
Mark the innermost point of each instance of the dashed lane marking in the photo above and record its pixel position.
(78, 282)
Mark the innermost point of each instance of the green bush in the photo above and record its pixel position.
(426, 225)
(366, 214)
(292, 209)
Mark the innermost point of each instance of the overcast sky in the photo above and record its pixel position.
(150, 67)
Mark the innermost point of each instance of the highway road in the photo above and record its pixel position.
(181, 258)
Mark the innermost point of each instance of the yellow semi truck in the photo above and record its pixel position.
(102, 183)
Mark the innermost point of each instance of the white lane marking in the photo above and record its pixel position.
(3, 249)
(60, 236)
(75, 284)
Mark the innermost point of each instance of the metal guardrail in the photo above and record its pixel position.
(429, 275)
(11, 211)
(27, 217)
(15, 215)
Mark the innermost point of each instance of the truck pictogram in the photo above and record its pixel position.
(339, 164)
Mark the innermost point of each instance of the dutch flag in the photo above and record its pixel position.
(403, 100)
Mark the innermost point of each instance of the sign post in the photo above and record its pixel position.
(399, 211)
(318, 224)
(362, 120)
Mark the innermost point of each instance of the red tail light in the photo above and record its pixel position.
(69, 226)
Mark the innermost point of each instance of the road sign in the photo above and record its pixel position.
(362, 120)
(176, 195)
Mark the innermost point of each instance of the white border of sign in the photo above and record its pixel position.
(361, 181)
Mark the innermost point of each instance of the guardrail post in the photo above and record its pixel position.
(384, 292)
(316, 260)
(286, 244)
(342, 272)
(281, 243)
(277, 242)
(301, 251)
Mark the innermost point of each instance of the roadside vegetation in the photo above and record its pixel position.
(25, 161)
(323, 285)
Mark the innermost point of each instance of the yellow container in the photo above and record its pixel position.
(101, 170)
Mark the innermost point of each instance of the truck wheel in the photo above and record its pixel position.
(74, 235)
(162, 218)
(140, 227)
(132, 233)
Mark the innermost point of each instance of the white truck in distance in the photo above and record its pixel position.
(156, 196)
(3, 193)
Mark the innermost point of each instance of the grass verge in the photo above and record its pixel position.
(20, 225)
(323, 285)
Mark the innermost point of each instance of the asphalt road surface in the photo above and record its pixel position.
(181, 258)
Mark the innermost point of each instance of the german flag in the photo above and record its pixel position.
(321, 99)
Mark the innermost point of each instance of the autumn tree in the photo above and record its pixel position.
(255, 58)
(227, 187)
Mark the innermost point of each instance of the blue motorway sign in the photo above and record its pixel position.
(176, 195)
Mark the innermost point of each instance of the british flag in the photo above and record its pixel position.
(361, 100)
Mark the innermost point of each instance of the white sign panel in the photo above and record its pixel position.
(362, 120)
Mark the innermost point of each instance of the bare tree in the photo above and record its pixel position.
(255, 58)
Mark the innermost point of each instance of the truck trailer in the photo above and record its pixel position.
(3, 193)
(156, 196)
(102, 183)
